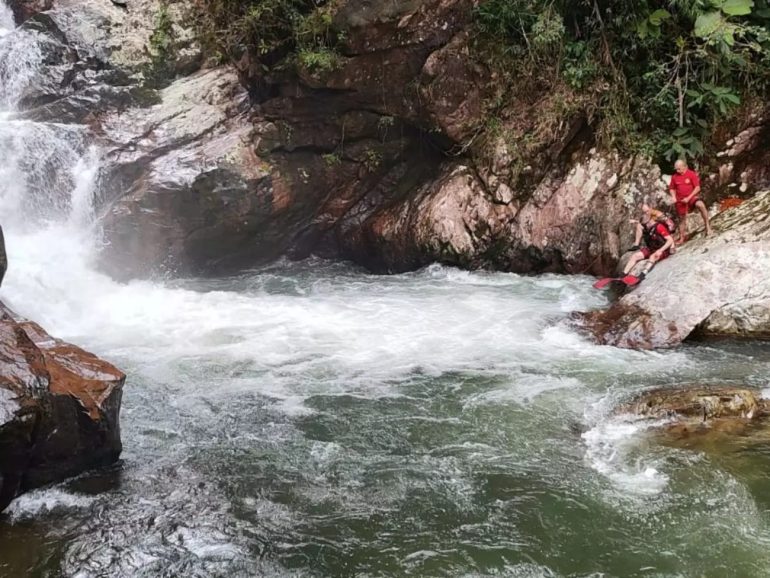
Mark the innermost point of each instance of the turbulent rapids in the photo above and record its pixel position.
(311, 419)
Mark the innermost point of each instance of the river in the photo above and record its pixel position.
(310, 419)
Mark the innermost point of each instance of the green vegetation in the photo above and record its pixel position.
(331, 159)
(372, 160)
(654, 75)
(161, 47)
(271, 30)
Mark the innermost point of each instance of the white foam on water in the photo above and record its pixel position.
(523, 390)
(608, 449)
(41, 502)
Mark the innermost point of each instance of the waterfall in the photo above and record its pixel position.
(6, 20)
(48, 173)
(20, 60)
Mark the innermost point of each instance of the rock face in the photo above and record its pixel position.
(94, 56)
(561, 207)
(193, 194)
(59, 408)
(378, 160)
(574, 221)
(389, 158)
(718, 285)
(745, 161)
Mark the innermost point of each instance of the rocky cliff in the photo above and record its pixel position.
(387, 158)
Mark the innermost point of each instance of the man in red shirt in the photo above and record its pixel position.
(657, 241)
(685, 188)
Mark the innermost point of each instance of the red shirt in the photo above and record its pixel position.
(684, 184)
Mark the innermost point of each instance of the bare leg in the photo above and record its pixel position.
(701, 206)
(632, 261)
(682, 229)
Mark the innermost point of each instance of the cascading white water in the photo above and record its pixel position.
(47, 177)
(6, 20)
(19, 60)
(310, 419)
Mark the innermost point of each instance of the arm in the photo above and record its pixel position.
(669, 243)
(638, 234)
(695, 181)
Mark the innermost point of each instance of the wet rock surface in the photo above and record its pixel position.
(59, 408)
(697, 403)
(97, 57)
(693, 415)
(717, 286)
(189, 190)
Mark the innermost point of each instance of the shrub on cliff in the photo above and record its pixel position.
(269, 31)
(661, 73)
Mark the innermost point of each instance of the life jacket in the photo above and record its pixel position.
(652, 237)
(662, 217)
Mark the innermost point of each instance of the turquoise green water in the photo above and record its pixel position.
(311, 420)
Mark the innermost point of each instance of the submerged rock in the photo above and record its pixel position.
(702, 411)
(717, 286)
(59, 408)
(697, 403)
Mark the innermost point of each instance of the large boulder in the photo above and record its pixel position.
(191, 192)
(456, 186)
(59, 408)
(719, 284)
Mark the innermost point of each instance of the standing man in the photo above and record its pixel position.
(685, 190)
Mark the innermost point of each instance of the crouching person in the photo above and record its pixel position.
(657, 237)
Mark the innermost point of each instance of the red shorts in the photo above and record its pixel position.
(683, 208)
(647, 252)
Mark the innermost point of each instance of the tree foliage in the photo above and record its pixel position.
(666, 69)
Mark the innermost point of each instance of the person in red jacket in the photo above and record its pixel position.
(685, 190)
(658, 241)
